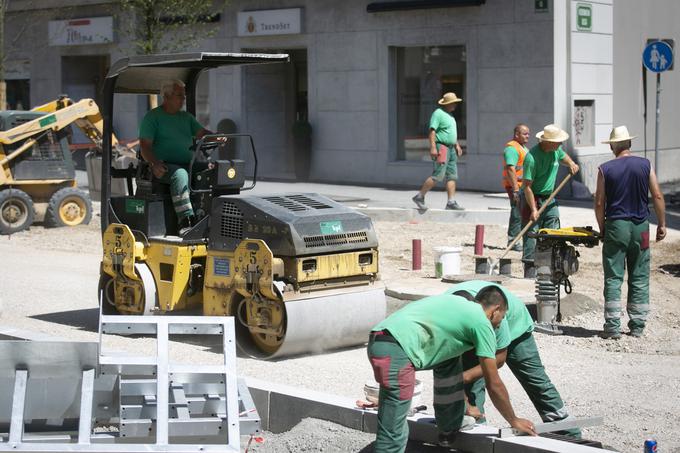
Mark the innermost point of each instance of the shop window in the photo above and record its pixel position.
(423, 75)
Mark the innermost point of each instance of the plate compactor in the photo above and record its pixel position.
(299, 272)
(556, 260)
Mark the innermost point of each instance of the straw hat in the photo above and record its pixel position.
(552, 133)
(619, 134)
(449, 98)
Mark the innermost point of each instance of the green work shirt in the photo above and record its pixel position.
(439, 328)
(541, 168)
(172, 135)
(511, 155)
(517, 320)
(444, 125)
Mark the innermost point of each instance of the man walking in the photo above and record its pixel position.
(515, 345)
(433, 333)
(513, 162)
(443, 137)
(622, 212)
(540, 173)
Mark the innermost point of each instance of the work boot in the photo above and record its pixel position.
(419, 200)
(447, 439)
(529, 270)
(185, 224)
(454, 206)
(610, 335)
(637, 332)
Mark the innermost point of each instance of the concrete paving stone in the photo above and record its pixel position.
(287, 406)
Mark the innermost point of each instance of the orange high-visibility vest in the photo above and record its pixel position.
(519, 167)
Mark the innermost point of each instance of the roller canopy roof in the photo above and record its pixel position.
(145, 73)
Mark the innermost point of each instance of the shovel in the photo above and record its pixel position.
(494, 264)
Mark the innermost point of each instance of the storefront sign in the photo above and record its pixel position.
(270, 22)
(83, 31)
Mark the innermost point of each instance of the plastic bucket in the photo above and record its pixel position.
(446, 261)
(372, 388)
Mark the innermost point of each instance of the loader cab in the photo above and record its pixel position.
(215, 169)
(49, 158)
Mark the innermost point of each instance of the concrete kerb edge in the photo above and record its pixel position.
(295, 404)
(482, 217)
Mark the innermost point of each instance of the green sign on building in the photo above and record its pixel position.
(541, 6)
(584, 17)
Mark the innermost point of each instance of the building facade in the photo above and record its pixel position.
(366, 75)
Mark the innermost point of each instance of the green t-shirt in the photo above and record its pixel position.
(438, 328)
(444, 125)
(541, 168)
(172, 135)
(517, 320)
(511, 155)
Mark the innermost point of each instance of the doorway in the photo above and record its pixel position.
(83, 77)
(276, 114)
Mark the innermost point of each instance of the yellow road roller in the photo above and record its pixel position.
(298, 271)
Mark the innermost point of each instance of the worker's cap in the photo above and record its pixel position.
(449, 98)
(619, 134)
(552, 133)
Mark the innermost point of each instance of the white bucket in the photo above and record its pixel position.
(446, 261)
(372, 388)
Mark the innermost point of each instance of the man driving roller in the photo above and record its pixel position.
(166, 135)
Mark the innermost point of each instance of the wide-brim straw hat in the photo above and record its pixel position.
(552, 133)
(449, 98)
(619, 134)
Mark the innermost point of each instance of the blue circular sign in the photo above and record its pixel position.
(657, 56)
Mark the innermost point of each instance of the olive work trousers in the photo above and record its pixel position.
(395, 373)
(550, 218)
(626, 244)
(515, 220)
(177, 177)
(525, 363)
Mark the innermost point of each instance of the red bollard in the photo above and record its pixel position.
(479, 240)
(416, 254)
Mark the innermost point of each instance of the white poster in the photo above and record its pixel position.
(82, 31)
(270, 22)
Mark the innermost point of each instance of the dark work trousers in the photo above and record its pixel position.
(525, 363)
(395, 373)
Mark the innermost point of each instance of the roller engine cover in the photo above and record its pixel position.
(293, 224)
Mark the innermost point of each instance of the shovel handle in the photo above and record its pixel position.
(531, 222)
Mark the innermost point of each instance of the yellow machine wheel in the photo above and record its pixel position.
(129, 297)
(68, 207)
(16, 211)
(253, 316)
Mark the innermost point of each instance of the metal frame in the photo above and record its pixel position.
(155, 404)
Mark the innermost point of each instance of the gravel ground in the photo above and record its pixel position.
(49, 283)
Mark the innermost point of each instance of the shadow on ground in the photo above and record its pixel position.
(413, 447)
(85, 319)
(672, 269)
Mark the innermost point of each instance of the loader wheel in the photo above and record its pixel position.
(16, 211)
(68, 207)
